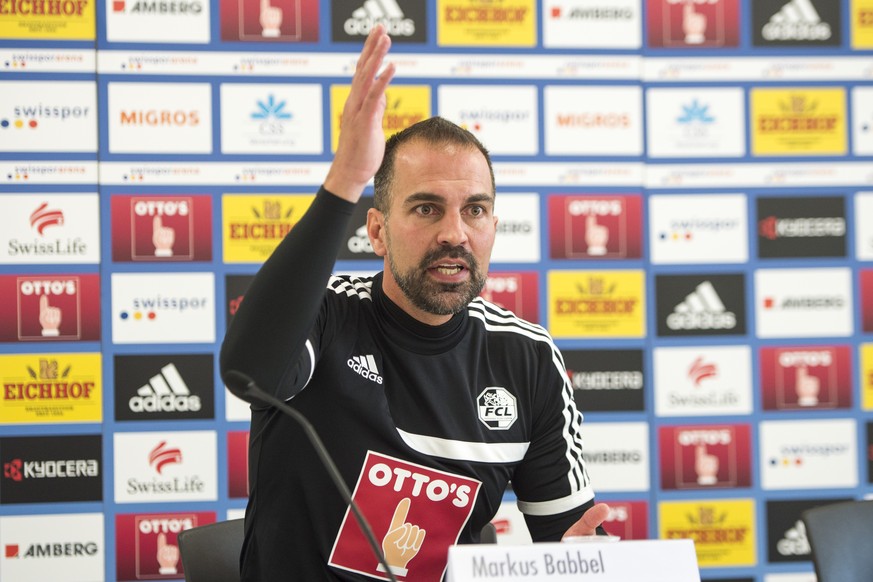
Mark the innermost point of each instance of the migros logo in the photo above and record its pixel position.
(160, 118)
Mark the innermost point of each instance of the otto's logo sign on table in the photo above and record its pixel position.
(416, 512)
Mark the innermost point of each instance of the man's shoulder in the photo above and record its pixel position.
(350, 286)
(498, 320)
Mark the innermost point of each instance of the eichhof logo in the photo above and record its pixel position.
(497, 408)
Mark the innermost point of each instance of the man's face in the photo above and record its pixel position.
(439, 232)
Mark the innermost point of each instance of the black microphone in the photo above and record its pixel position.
(247, 389)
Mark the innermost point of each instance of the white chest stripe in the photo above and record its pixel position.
(465, 450)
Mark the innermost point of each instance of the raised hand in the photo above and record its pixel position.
(270, 19)
(706, 466)
(403, 540)
(362, 139)
(589, 522)
(596, 236)
(49, 317)
(168, 555)
(163, 238)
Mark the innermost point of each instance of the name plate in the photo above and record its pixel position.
(629, 561)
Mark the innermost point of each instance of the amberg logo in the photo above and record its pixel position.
(497, 408)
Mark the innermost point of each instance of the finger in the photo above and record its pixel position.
(700, 451)
(43, 302)
(400, 514)
(419, 539)
(590, 520)
(375, 49)
(162, 541)
(157, 223)
(590, 221)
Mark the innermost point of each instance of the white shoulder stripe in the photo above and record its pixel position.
(351, 286)
(556, 506)
(465, 450)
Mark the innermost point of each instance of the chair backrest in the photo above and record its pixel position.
(840, 535)
(210, 553)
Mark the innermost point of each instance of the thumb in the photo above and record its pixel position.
(590, 520)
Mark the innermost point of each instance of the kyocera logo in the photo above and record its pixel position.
(157, 118)
(18, 470)
(30, 116)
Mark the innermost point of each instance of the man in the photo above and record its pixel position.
(429, 399)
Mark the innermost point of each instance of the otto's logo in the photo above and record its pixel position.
(163, 455)
(44, 217)
(497, 408)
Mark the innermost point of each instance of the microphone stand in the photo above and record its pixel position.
(249, 390)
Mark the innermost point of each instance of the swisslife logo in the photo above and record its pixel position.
(158, 21)
(692, 24)
(808, 454)
(806, 377)
(160, 118)
(594, 121)
(163, 308)
(595, 227)
(695, 123)
(700, 304)
(147, 544)
(158, 228)
(504, 117)
(796, 23)
(42, 228)
(690, 228)
(801, 226)
(48, 116)
(165, 466)
(404, 21)
(705, 380)
(164, 387)
(47, 308)
(58, 547)
(618, 453)
(518, 230)
(803, 302)
(271, 119)
(597, 24)
(607, 380)
(51, 469)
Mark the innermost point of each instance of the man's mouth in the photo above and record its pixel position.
(448, 269)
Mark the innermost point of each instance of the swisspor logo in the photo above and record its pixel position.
(415, 511)
(497, 408)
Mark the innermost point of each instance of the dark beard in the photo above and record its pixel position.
(439, 298)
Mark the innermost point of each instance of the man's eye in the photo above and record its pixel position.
(477, 210)
(425, 209)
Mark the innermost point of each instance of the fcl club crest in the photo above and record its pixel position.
(497, 408)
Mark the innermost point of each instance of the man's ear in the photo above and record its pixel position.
(376, 232)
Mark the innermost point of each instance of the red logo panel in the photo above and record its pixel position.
(693, 23)
(49, 307)
(415, 512)
(161, 228)
(238, 463)
(806, 377)
(705, 456)
(518, 292)
(595, 227)
(147, 547)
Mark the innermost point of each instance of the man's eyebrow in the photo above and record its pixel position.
(419, 197)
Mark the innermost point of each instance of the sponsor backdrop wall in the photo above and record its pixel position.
(685, 190)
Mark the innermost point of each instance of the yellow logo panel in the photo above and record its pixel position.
(487, 23)
(867, 376)
(253, 226)
(723, 530)
(798, 121)
(406, 105)
(47, 19)
(862, 24)
(41, 388)
(596, 304)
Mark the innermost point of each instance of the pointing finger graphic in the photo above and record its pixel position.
(402, 541)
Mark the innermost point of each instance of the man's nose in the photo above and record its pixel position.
(453, 230)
